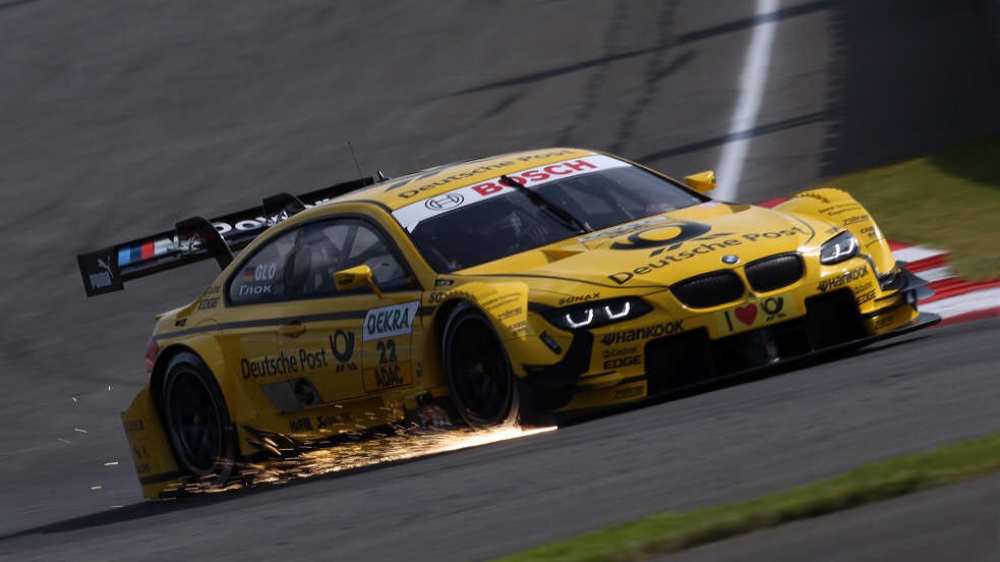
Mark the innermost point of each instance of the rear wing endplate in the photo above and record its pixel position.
(196, 239)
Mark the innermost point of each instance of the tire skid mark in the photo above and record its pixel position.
(656, 70)
(834, 99)
(794, 122)
(501, 106)
(592, 91)
(554, 72)
(749, 23)
(15, 3)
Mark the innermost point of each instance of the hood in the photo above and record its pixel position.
(663, 249)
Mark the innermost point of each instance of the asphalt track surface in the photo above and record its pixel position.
(959, 522)
(121, 117)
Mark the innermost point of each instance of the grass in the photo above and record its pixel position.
(668, 532)
(948, 200)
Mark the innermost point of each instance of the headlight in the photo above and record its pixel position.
(598, 313)
(843, 246)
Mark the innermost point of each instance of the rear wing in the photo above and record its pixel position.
(196, 239)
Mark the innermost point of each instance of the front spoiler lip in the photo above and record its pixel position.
(923, 320)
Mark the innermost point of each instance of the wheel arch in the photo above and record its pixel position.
(458, 308)
(444, 312)
(435, 339)
(192, 365)
(505, 304)
(213, 360)
(840, 208)
(159, 372)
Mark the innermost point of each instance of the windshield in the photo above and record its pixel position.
(485, 222)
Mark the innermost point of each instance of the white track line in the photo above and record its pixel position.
(936, 274)
(744, 119)
(969, 302)
(915, 253)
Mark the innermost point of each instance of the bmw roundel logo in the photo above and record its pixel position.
(730, 259)
(444, 202)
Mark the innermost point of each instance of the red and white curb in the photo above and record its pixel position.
(955, 300)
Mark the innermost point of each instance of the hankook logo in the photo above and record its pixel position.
(444, 202)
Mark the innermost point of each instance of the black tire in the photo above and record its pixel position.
(196, 420)
(478, 370)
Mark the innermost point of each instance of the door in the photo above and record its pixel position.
(352, 344)
(256, 322)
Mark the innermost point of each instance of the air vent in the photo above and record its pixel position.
(774, 272)
(709, 290)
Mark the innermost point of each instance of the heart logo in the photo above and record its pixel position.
(747, 314)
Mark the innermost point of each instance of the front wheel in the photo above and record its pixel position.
(196, 420)
(478, 370)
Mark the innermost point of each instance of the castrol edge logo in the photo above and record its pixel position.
(411, 215)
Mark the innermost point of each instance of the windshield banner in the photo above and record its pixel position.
(411, 215)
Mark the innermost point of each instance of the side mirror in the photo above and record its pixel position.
(347, 279)
(702, 182)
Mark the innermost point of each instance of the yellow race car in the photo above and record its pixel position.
(524, 284)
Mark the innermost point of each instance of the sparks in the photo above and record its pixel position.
(495, 436)
(349, 456)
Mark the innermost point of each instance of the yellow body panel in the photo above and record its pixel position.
(839, 208)
(154, 462)
(314, 368)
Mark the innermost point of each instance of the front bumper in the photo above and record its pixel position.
(616, 367)
(828, 327)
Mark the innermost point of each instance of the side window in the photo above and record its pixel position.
(261, 279)
(332, 246)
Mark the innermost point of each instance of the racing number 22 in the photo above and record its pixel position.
(389, 373)
(386, 352)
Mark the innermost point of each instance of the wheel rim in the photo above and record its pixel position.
(194, 422)
(479, 372)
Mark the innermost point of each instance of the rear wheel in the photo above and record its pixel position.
(197, 421)
(478, 370)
